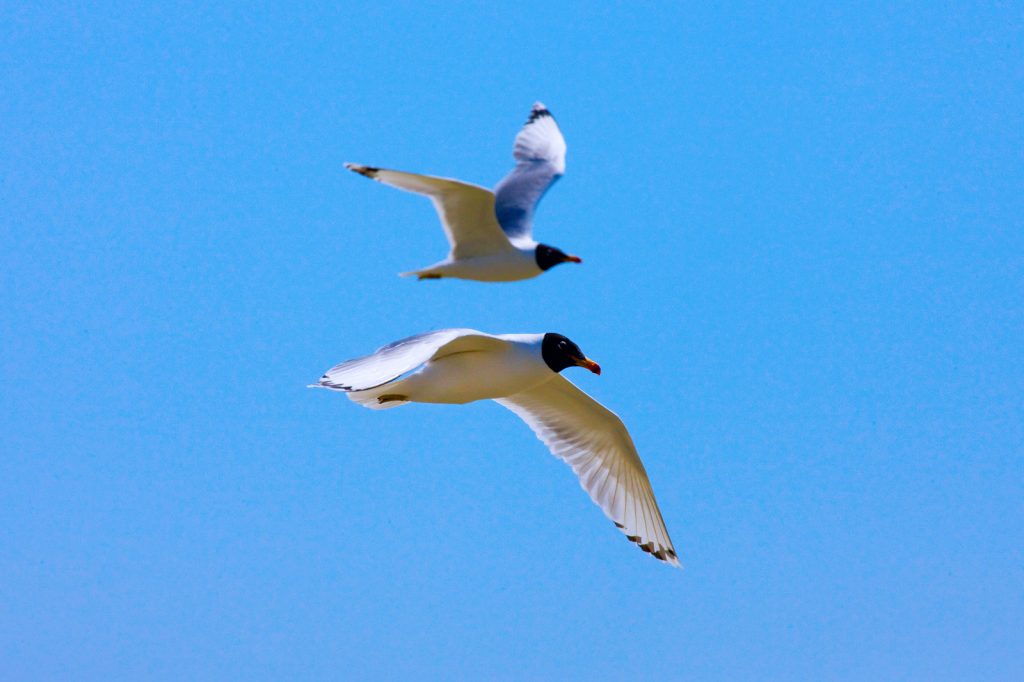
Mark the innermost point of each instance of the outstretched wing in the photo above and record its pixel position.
(466, 211)
(594, 442)
(539, 152)
(401, 357)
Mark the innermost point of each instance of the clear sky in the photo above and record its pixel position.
(804, 263)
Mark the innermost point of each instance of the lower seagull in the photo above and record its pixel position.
(520, 372)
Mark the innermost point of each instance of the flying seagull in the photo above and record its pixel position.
(491, 233)
(521, 373)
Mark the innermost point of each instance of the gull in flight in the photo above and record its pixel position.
(491, 233)
(522, 373)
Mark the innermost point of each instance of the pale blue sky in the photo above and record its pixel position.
(804, 256)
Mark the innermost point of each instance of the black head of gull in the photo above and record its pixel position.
(548, 257)
(559, 353)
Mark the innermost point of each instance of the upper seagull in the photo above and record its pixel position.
(491, 233)
(521, 373)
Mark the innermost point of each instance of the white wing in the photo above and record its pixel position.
(466, 211)
(401, 357)
(594, 442)
(539, 152)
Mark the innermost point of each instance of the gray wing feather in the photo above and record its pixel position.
(539, 152)
(389, 362)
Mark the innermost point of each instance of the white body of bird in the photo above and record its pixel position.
(509, 266)
(496, 370)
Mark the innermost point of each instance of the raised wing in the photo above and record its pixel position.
(594, 442)
(401, 357)
(466, 211)
(539, 152)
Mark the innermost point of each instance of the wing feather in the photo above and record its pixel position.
(466, 211)
(595, 443)
(539, 152)
(401, 357)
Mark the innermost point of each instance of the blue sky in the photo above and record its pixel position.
(804, 257)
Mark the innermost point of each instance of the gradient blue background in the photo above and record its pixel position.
(804, 264)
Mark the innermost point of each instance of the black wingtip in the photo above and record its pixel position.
(538, 111)
(325, 382)
(366, 171)
(666, 554)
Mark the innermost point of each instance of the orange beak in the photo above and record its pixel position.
(589, 364)
(572, 259)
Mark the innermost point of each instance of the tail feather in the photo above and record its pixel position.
(427, 273)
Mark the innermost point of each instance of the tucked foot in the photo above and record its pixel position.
(430, 276)
(390, 398)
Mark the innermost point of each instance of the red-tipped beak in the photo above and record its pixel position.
(589, 364)
(573, 259)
